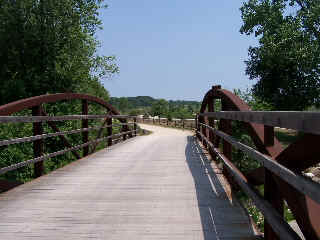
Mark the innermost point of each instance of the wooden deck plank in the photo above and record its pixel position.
(152, 187)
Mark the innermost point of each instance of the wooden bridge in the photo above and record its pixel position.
(165, 185)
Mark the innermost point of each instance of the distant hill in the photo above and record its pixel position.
(144, 105)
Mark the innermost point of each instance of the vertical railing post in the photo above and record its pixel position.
(109, 131)
(135, 126)
(183, 123)
(85, 124)
(272, 192)
(197, 125)
(227, 147)
(211, 124)
(202, 139)
(123, 129)
(204, 130)
(37, 144)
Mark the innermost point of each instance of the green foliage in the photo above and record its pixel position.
(160, 108)
(50, 46)
(286, 137)
(255, 103)
(286, 62)
(16, 153)
(246, 164)
(145, 105)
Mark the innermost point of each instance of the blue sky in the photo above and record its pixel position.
(174, 49)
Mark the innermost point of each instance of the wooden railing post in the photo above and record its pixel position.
(135, 126)
(204, 131)
(211, 124)
(197, 125)
(38, 144)
(202, 139)
(123, 129)
(271, 190)
(85, 124)
(109, 131)
(227, 147)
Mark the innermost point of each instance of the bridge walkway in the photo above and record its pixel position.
(158, 186)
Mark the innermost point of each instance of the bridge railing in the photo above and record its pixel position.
(177, 123)
(280, 171)
(105, 123)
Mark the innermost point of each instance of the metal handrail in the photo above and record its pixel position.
(279, 172)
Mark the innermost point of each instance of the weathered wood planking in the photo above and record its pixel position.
(158, 186)
(302, 121)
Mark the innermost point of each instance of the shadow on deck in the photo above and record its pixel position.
(221, 217)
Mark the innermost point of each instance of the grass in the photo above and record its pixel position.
(286, 136)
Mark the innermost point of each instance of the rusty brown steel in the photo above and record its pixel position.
(38, 144)
(277, 222)
(109, 132)
(305, 186)
(62, 137)
(40, 116)
(27, 103)
(306, 122)
(272, 192)
(54, 154)
(297, 157)
(99, 135)
(85, 124)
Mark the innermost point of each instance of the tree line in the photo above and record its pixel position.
(148, 106)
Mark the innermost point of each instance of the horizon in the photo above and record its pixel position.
(157, 98)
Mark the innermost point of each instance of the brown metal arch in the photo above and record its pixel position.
(234, 103)
(297, 157)
(20, 105)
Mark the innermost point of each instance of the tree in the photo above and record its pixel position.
(286, 64)
(123, 104)
(253, 101)
(49, 46)
(159, 108)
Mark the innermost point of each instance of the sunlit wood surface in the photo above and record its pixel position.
(159, 186)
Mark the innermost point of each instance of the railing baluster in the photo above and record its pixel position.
(135, 126)
(124, 136)
(38, 144)
(271, 190)
(109, 131)
(197, 126)
(85, 124)
(211, 124)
